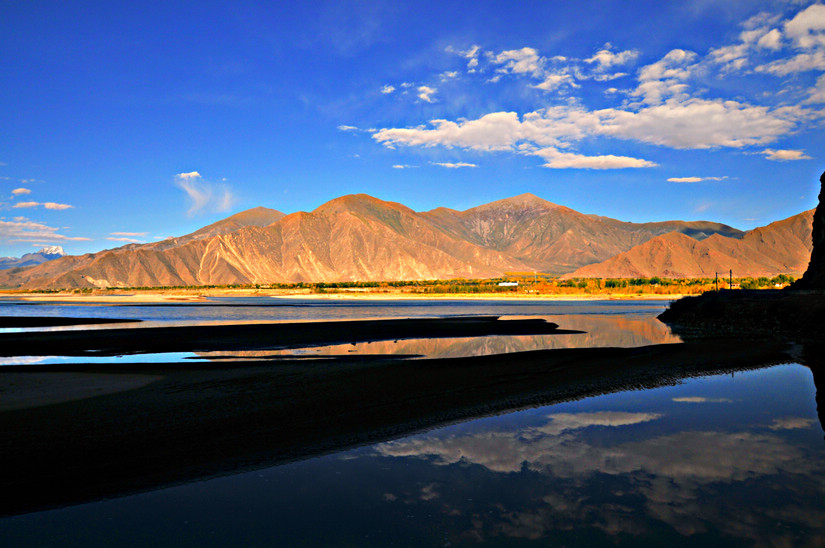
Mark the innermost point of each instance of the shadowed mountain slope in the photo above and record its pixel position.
(552, 238)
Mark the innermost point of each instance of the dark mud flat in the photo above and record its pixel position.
(269, 336)
(46, 321)
(148, 426)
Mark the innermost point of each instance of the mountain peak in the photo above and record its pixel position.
(52, 250)
(522, 201)
(257, 216)
(356, 202)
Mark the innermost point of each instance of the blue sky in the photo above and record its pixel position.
(136, 121)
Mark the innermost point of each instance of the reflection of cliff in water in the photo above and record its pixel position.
(599, 331)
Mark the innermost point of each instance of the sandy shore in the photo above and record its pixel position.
(202, 295)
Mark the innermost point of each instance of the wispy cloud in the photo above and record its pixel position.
(701, 399)
(124, 239)
(47, 205)
(403, 166)
(204, 196)
(129, 234)
(387, 89)
(695, 179)
(453, 165)
(24, 230)
(785, 155)
(19, 191)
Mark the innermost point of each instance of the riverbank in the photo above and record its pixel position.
(201, 295)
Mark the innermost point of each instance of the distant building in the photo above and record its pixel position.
(508, 284)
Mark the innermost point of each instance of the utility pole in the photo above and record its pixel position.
(717, 281)
(730, 284)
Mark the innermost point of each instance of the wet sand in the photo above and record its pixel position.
(83, 432)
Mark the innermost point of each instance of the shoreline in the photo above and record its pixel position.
(184, 297)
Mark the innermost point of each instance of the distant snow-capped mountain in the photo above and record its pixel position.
(32, 259)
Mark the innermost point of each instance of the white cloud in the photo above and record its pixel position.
(387, 89)
(129, 234)
(699, 123)
(605, 58)
(664, 108)
(568, 160)
(188, 176)
(554, 81)
(817, 93)
(53, 205)
(47, 205)
(124, 239)
(675, 64)
(495, 131)
(203, 195)
(807, 28)
(340, 128)
(802, 62)
(19, 191)
(695, 180)
(665, 78)
(770, 40)
(24, 230)
(520, 61)
(403, 166)
(785, 155)
(425, 93)
(449, 75)
(689, 124)
(455, 165)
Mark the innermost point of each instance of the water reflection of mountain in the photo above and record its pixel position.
(599, 331)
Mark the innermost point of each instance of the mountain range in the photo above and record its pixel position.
(361, 238)
(30, 259)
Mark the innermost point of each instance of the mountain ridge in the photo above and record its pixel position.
(781, 247)
(359, 237)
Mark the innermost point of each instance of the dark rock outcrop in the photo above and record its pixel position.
(814, 277)
(796, 313)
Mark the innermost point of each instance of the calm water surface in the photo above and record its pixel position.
(721, 461)
(729, 460)
(605, 323)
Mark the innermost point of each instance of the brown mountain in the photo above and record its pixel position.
(359, 237)
(779, 248)
(552, 238)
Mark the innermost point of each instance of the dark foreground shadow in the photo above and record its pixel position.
(128, 428)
